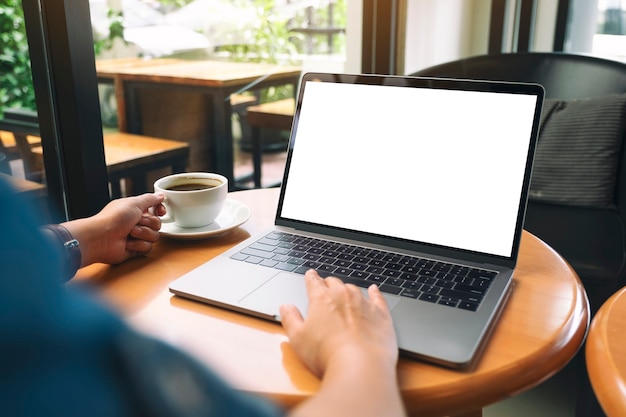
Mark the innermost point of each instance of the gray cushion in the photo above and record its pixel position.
(578, 151)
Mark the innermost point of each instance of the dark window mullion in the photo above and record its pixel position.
(560, 30)
(64, 74)
(497, 26)
(380, 22)
(526, 25)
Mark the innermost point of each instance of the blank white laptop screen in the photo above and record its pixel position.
(438, 166)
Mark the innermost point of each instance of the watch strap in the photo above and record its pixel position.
(71, 247)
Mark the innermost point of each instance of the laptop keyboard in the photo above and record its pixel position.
(408, 276)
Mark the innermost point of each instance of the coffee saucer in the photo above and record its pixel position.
(233, 214)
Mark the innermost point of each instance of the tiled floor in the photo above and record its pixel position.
(555, 397)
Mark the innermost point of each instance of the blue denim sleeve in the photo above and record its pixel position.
(168, 383)
(62, 353)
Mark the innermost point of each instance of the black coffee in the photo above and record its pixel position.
(189, 187)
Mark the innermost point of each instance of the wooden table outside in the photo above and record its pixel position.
(216, 80)
(606, 355)
(540, 330)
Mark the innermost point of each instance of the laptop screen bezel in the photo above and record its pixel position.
(419, 82)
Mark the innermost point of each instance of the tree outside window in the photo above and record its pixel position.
(16, 83)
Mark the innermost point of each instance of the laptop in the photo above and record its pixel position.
(416, 184)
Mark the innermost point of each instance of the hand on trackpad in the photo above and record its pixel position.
(287, 288)
(283, 288)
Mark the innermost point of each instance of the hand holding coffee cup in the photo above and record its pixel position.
(193, 199)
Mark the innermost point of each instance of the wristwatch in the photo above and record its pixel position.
(70, 245)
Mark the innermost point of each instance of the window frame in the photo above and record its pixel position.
(65, 82)
(66, 88)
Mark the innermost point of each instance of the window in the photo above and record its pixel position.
(77, 182)
(597, 27)
(67, 106)
(69, 102)
(187, 70)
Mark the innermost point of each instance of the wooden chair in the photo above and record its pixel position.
(33, 164)
(23, 125)
(273, 115)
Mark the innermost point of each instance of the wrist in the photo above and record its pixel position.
(70, 247)
(89, 232)
(363, 361)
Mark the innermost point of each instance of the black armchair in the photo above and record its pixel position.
(589, 234)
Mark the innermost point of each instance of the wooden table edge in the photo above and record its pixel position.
(512, 382)
(564, 343)
(609, 388)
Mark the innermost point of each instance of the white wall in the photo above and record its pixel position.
(444, 30)
(545, 19)
(354, 36)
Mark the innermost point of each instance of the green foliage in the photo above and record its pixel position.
(16, 83)
(270, 38)
(174, 4)
(116, 31)
(272, 42)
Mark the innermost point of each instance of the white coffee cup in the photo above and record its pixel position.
(192, 199)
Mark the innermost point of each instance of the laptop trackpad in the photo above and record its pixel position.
(283, 288)
(286, 288)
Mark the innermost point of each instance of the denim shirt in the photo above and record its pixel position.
(64, 354)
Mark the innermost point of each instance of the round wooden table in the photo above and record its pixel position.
(606, 355)
(541, 328)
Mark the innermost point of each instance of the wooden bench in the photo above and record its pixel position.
(273, 115)
(130, 158)
(7, 140)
